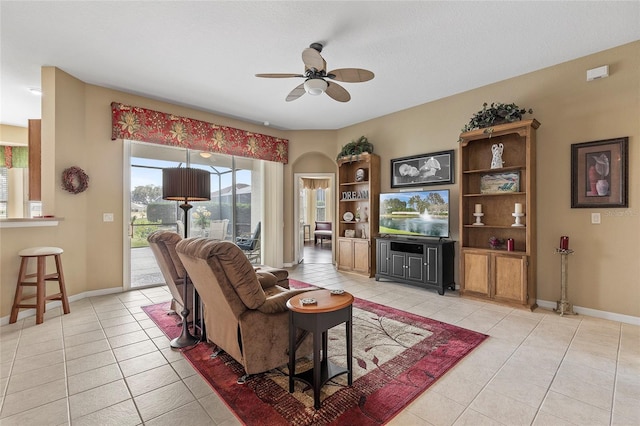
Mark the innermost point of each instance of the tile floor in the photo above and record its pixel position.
(107, 363)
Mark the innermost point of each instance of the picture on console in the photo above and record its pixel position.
(416, 213)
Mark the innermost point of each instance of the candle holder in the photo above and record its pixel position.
(478, 219)
(518, 217)
(563, 306)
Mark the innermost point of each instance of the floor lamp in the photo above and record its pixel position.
(185, 184)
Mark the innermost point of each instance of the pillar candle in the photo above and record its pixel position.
(478, 208)
(518, 208)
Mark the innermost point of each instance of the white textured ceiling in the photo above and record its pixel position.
(204, 54)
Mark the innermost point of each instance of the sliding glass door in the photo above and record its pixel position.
(234, 210)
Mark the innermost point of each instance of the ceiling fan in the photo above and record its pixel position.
(316, 75)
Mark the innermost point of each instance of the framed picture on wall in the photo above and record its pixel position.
(436, 168)
(599, 173)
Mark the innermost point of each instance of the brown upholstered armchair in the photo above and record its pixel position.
(247, 320)
(163, 245)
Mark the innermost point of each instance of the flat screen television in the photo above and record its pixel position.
(415, 214)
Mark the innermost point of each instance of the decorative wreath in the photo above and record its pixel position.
(75, 180)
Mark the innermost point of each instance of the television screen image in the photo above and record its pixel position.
(416, 213)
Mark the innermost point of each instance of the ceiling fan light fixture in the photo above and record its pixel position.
(315, 86)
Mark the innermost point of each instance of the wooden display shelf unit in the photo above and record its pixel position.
(357, 254)
(497, 274)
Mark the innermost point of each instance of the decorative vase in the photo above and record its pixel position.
(593, 178)
(602, 186)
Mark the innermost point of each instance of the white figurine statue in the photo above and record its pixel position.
(496, 162)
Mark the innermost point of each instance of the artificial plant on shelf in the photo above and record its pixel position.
(496, 113)
(354, 148)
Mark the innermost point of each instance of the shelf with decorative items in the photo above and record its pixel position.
(358, 193)
(498, 212)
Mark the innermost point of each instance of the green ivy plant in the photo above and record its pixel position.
(496, 113)
(355, 148)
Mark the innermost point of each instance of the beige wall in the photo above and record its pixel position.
(10, 135)
(76, 131)
(603, 273)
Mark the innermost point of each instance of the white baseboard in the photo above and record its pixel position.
(627, 319)
(612, 316)
(25, 313)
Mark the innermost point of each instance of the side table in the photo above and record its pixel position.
(328, 311)
(563, 306)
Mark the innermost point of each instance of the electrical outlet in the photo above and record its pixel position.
(107, 217)
(595, 218)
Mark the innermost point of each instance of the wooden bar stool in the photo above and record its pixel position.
(41, 254)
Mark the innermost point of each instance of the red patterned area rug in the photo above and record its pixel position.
(397, 356)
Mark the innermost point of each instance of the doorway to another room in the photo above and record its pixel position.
(314, 204)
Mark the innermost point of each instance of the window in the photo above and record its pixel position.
(321, 204)
(4, 192)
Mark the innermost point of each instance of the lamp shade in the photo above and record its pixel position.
(315, 86)
(185, 184)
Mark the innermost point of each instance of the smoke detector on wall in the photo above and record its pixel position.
(596, 73)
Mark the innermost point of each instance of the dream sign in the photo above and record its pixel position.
(355, 195)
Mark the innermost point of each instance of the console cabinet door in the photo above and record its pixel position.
(345, 254)
(353, 255)
(384, 257)
(432, 265)
(509, 277)
(361, 256)
(398, 263)
(475, 266)
(415, 268)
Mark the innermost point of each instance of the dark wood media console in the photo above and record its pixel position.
(426, 263)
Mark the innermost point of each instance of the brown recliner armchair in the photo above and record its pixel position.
(163, 245)
(246, 318)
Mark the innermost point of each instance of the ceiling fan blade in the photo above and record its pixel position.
(337, 92)
(296, 93)
(279, 75)
(351, 75)
(313, 59)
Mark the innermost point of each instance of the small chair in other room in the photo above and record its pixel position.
(41, 276)
(323, 232)
(251, 245)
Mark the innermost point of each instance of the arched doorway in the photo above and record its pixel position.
(314, 195)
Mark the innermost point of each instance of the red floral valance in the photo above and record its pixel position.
(146, 125)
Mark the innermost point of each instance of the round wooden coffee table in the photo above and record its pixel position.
(327, 311)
